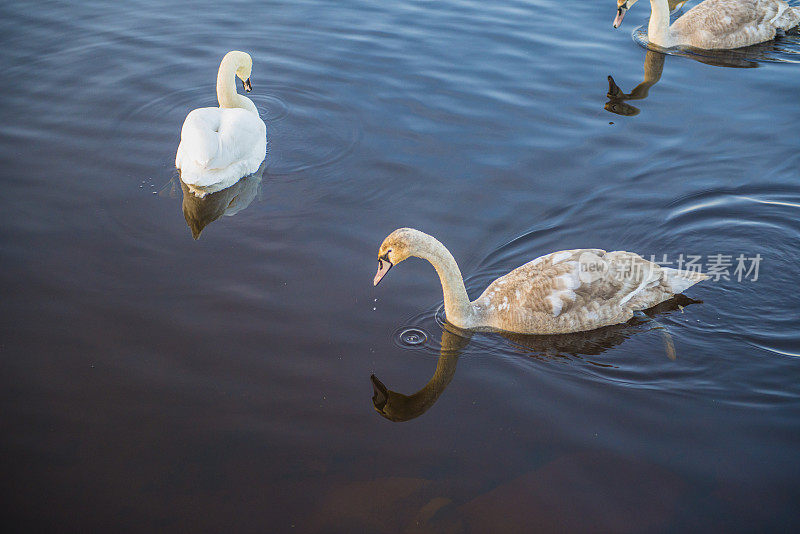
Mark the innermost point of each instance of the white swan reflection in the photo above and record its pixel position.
(199, 212)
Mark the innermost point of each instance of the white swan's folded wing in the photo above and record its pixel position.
(240, 133)
(215, 138)
(199, 138)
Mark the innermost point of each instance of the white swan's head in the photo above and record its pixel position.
(398, 246)
(244, 66)
(622, 7)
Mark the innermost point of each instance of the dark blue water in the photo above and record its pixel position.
(151, 381)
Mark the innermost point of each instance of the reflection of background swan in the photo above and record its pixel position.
(199, 212)
(746, 57)
(398, 407)
(653, 66)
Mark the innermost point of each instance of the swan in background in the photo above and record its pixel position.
(715, 24)
(221, 145)
(568, 291)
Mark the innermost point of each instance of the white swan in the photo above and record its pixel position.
(562, 292)
(716, 24)
(221, 145)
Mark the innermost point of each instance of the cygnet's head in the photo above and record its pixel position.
(397, 246)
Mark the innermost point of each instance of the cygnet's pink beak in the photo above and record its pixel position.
(620, 15)
(383, 268)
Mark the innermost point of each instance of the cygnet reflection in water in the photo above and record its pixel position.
(200, 211)
(399, 407)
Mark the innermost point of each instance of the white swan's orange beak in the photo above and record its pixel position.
(621, 10)
(247, 85)
(383, 268)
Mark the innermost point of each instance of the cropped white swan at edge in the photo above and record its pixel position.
(562, 292)
(716, 24)
(221, 145)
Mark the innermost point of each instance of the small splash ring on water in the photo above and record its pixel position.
(412, 337)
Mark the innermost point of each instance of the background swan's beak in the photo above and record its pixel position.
(383, 268)
(247, 86)
(613, 89)
(620, 15)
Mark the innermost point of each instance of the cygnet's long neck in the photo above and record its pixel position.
(226, 86)
(456, 303)
(658, 27)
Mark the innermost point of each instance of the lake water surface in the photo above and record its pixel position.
(154, 382)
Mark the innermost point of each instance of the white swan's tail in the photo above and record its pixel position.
(680, 280)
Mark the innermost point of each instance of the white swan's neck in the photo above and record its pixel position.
(457, 307)
(226, 86)
(658, 28)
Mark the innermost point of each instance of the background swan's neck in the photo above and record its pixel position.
(456, 303)
(226, 87)
(658, 27)
(653, 67)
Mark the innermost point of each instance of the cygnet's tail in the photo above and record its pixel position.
(680, 280)
(787, 18)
